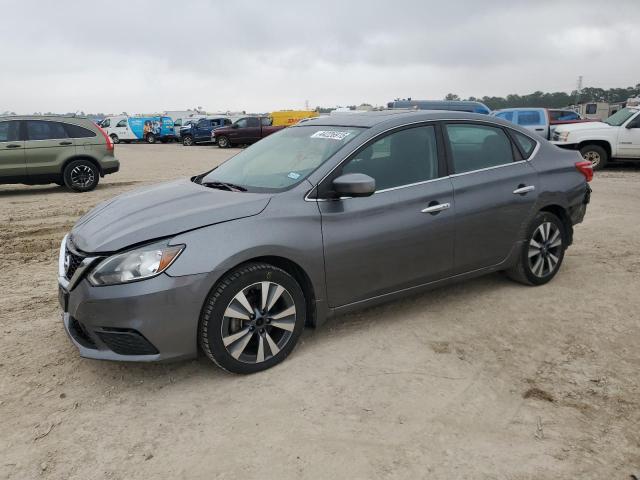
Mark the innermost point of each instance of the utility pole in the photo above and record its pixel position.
(306, 105)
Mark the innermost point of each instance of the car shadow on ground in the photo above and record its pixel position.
(203, 369)
(32, 190)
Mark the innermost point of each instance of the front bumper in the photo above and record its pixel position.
(150, 320)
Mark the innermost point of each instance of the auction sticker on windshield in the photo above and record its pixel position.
(331, 135)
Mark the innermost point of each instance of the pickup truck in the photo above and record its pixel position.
(542, 121)
(617, 137)
(200, 130)
(243, 131)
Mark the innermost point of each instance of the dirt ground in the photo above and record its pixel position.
(484, 379)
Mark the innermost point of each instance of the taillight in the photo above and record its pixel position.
(107, 139)
(586, 169)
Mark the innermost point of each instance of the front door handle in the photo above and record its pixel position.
(66, 143)
(13, 145)
(434, 208)
(523, 189)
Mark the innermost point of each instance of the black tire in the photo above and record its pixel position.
(222, 296)
(81, 176)
(525, 270)
(150, 138)
(223, 141)
(597, 155)
(115, 139)
(187, 140)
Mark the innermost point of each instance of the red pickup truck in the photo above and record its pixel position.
(243, 131)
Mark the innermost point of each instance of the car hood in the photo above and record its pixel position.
(160, 211)
(574, 127)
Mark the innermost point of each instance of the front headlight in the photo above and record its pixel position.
(138, 264)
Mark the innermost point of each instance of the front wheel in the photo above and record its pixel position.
(542, 252)
(252, 318)
(151, 138)
(187, 140)
(115, 139)
(223, 142)
(596, 155)
(81, 176)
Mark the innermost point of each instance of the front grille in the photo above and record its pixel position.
(79, 333)
(126, 342)
(74, 263)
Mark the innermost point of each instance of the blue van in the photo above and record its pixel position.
(456, 105)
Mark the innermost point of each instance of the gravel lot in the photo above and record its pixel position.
(484, 379)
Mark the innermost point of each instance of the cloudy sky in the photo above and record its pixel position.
(134, 56)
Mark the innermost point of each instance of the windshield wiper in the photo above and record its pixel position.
(225, 186)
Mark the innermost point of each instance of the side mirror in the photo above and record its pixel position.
(235, 125)
(354, 185)
(634, 124)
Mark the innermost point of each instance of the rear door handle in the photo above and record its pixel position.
(13, 145)
(66, 143)
(435, 208)
(522, 189)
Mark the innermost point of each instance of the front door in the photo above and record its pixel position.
(47, 145)
(12, 160)
(629, 139)
(388, 242)
(495, 191)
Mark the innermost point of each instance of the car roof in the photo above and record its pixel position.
(391, 118)
(43, 117)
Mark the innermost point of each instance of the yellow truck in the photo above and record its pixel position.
(290, 117)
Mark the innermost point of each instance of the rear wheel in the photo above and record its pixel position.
(252, 318)
(114, 138)
(187, 140)
(595, 154)
(151, 138)
(223, 142)
(542, 252)
(81, 176)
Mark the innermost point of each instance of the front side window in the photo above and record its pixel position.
(474, 147)
(242, 123)
(177, 123)
(45, 130)
(122, 123)
(106, 123)
(282, 159)
(530, 117)
(400, 158)
(9, 131)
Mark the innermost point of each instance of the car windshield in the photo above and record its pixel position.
(621, 116)
(282, 159)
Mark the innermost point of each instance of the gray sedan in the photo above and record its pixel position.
(335, 214)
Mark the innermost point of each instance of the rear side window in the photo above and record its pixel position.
(75, 131)
(400, 158)
(474, 147)
(9, 131)
(122, 123)
(526, 144)
(253, 122)
(266, 121)
(530, 117)
(508, 116)
(45, 130)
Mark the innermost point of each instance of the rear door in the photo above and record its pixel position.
(12, 157)
(387, 242)
(47, 146)
(535, 120)
(494, 189)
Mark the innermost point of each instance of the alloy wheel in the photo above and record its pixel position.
(82, 176)
(258, 322)
(593, 157)
(545, 249)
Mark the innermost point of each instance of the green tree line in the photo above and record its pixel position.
(555, 99)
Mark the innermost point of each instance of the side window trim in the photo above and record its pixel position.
(322, 190)
(516, 154)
